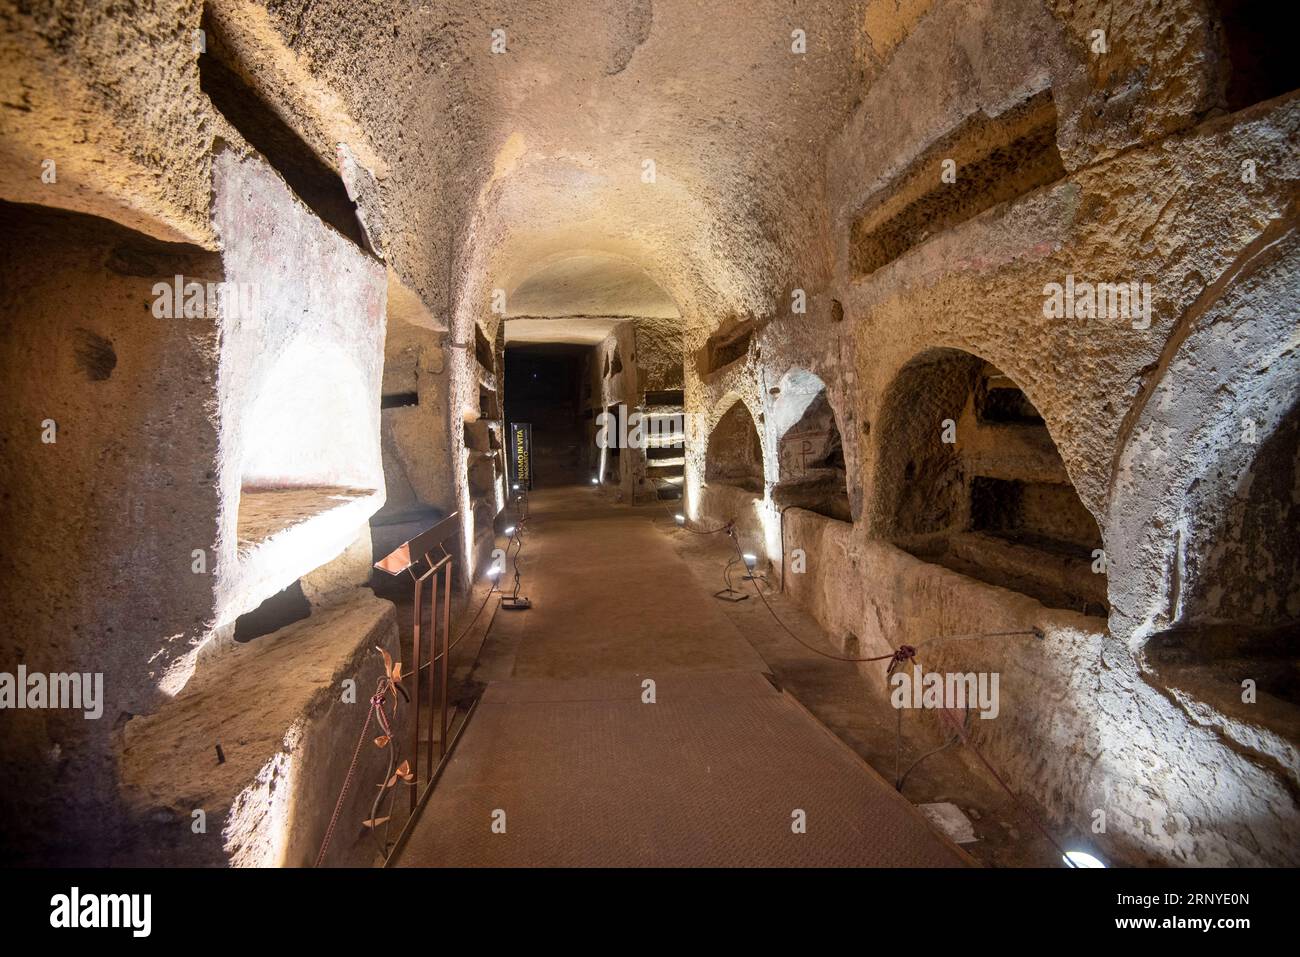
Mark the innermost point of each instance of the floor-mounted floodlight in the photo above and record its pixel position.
(750, 560)
(510, 530)
(1081, 859)
(595, 481)
(515, 486)
(681, 519)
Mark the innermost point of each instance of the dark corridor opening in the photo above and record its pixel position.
(544, 386)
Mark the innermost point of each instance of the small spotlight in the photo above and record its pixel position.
(1080, 859)
(493, 572)
(516, 486)
(510, 530)
(750, 560)
(681, 519)
(595, 481)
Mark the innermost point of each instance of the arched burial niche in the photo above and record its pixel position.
(810, 452)
(968, 477)
(311, 422)
(1236, 588)
(1204, 519)
(309, 474)
(734, 455)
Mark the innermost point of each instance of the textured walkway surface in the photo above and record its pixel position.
(565, 753)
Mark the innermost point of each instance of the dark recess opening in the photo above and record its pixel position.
(673, 397)
(725, 346)
(482, 348)
(399, 399)
(998, 400)
(545, 389)
(1261, 59)
(283, 608)
(995, 504)
(999, 159)
(613, 447)
(311, 179)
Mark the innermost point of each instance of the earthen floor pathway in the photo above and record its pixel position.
(565, 762)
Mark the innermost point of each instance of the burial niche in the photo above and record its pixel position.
(734, 454)
(810, 452)
(969, 478)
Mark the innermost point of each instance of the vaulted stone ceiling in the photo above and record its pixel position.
(498, 163)
(582, 283)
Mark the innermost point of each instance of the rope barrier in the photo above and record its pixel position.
(907, 653)
(378, 699)
(516, 538)
(347, 781)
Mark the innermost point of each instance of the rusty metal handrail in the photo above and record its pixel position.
(440, 569)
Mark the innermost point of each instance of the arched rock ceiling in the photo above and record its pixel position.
(586, 331)
(500, 162)
(711, 94)
(589, 284)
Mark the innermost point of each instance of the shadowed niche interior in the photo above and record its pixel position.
(735, 453)
(972, 480)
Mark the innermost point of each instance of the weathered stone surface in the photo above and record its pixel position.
(298, 381)
(107, 515)
(277, 709)
(712, 209)
(1153, 193)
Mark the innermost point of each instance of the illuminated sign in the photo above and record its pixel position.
(521, 455)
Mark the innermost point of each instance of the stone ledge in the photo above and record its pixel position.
(274, 705)
(286, 533)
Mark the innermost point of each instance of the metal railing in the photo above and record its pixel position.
(428, 550)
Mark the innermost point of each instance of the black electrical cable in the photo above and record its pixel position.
(775, 617)
(517, 537)
(959, 734)
(726, 574)
(684, 523)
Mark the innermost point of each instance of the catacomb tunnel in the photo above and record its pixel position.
(435, 416)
